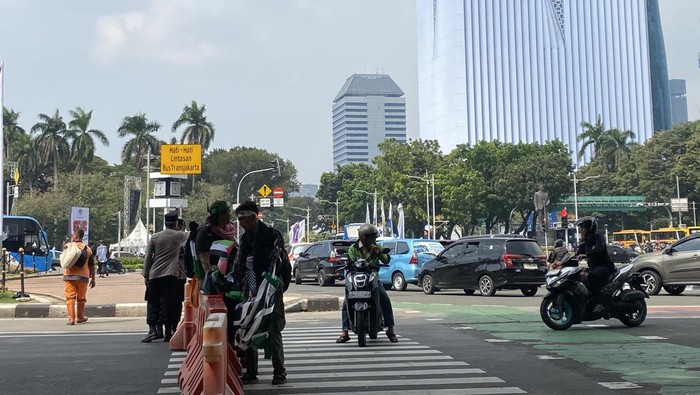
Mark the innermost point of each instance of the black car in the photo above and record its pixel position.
(322, 261)
(620, 254)
(487, 263)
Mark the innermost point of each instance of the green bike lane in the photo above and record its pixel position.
(645, 355)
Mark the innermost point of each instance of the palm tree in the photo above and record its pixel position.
(593, 135)
(10, 129)
(52, 142)
(143, 141)
(28, 159)
(83, 146)
(198, 130)
(616, 144)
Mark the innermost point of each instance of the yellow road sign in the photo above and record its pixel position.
(16, 176)
(181, 159)
(264, 191)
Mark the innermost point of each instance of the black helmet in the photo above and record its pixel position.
(559, 243)
(367, 230)
(588, 222)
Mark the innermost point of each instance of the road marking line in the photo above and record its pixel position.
(179, 359)
(434, 319)
(549, 357)
(170, 390)
(291, 351)
(399, 383)
(460, 391)
(387, 373)
(620, 385)
(179, 353)
(462, 327)
(325, 362)
(168, 381)
(497, 340)
(654, 337)
(171, 373)
(596, 325)
(441, 304)
(412, 311)
(365, 366)
(174, 366)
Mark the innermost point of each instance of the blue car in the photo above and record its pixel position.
(407, 258)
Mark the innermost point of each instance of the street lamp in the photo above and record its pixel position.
(428, 181)
(337, 205)
(578, 235)
(308, 216)
(148, 193)
(374, 194)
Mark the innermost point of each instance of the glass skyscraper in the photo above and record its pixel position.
(368, 109)
(533, 70)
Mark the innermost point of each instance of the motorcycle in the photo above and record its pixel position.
(570, 302)
(362, 300)
(114, 266)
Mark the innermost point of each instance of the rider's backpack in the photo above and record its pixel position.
(70, 255)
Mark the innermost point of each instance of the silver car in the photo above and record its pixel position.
(672, 268)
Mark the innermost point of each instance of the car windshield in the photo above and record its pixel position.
(427, 247)
(523, 247)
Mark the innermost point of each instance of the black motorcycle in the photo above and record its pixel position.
(362, 301)
(114, 266)
(570, 302)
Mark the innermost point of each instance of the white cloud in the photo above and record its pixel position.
(162, 33)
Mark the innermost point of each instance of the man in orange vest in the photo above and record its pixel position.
(77, 278)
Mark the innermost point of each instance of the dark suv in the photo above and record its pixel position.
(487, 263)
(323, 261)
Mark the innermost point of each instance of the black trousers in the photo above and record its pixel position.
(162, 301)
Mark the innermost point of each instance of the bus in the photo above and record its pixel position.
(667, 235)
(629, 237)
(26, 232)
(692, 230)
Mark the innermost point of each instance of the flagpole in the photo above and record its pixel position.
(375, 206)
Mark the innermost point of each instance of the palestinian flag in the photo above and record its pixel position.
(222, 249)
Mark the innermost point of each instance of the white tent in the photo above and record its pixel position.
(137, 240)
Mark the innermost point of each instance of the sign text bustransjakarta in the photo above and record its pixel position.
(181, 159)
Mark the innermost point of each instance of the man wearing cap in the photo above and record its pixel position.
(160, 272)
(254, 257)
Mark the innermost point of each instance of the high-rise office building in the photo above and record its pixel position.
(533, 70)
(679, 101)
(368, 109)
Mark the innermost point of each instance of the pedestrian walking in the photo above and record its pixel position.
(160, 272)
(102, 258)
(254, 259)
(77, 279)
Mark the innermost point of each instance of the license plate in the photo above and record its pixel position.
(530, 266)
(359, 294)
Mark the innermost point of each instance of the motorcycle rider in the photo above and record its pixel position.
(595, 251)
(557, 254)
(366, 248)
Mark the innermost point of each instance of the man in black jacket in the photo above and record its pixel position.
(256, 247)
(595, 251)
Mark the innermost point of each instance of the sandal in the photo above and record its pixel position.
(81, 320)
(343, 338)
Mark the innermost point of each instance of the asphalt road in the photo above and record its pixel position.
(501, 335)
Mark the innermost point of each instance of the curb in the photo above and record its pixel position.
(48, 310)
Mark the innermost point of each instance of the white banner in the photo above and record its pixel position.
(80, 218)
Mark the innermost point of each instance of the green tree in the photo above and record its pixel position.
(142, 142)
(28, 159)
(592, 136)
(11, 129)
(197, 129)
(52, 141)
(83, 144)
(617, 144)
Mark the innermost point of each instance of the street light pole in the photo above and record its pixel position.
(578, 235)
(238, 194)
(428, 181)
(432, 181)
(337, 205)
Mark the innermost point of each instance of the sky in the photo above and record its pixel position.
(266, 70)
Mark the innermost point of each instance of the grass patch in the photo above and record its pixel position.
(6, 297)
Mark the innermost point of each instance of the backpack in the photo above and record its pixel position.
(70, 254)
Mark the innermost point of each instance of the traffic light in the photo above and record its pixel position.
(564, 218)
(276, 163)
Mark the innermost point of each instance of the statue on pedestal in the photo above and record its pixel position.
(541, 202)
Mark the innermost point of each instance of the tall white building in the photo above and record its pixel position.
(533, 70)
(369, 109)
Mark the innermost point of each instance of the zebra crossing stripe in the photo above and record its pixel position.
(344, 361)
(398, 383)
(369, 353)
(355, 349)
(386, 373)
(364, 366)
(461, 391)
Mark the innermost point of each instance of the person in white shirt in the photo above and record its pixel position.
(102, 259)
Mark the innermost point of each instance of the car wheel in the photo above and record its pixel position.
(674, 289)
(529, 291)
(469, 291)
(652, 282)
(322, 278)
(399, 282)
(428, 285)
(297, 276)
(486, 286)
